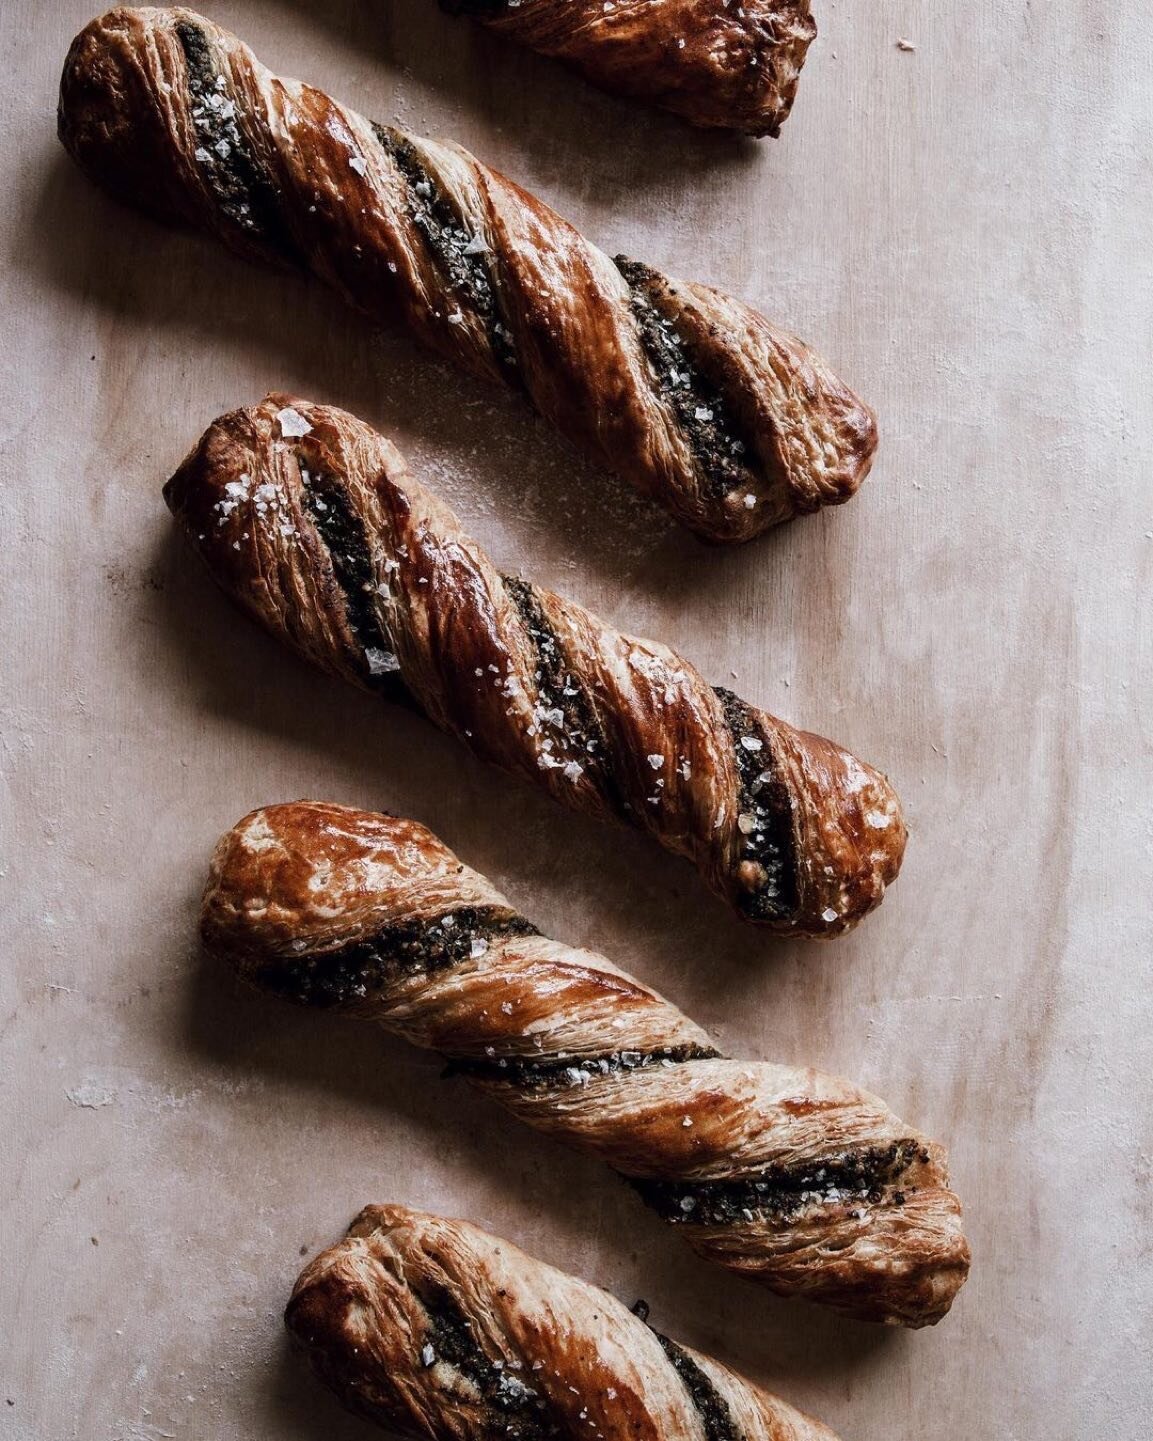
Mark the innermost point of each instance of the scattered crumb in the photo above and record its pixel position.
(906, 45)
(90, 1097)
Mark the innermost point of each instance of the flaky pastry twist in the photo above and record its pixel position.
(729, 64)
(442, 1332)
(310, 520)
(793, 1178)
(696, 399)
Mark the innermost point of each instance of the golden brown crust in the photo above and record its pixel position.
(696, 399)
(445, 1333)
(733, 66)
(325, 538)
(793, 1178)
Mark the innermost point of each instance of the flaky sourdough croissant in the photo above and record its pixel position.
(731, 64)
(793, 1178)
(446, 1333)
(695, 398)
(311, 521)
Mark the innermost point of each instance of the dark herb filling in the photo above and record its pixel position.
(780, 1192)
(720, 449)
(437, 220)
(519, 1412)
(710, 1405)
(765, 818)
(243, 191)
(350, 974)
(563, 705)
(343, 534)
(527, 1073)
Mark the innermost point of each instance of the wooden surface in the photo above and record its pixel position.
(964, 230)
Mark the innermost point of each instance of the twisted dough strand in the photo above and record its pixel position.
(793, 1178)
(310, 520)
(695, 398)
(714, 62)
(438, 1329)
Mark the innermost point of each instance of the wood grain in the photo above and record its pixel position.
(963, 230)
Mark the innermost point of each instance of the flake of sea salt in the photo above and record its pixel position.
(356, 162)
(478, 948)
(829, 915)
(476, 246)
(292, 423)
(750, 501)
(656, 761)
(380, 662)
(751, 743)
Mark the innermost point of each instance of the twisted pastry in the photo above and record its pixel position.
(440, 1330)
(695, 398)
(311, 521)
(795, 1179)
(714, 62)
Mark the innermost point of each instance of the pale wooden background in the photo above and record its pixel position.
(965, 231)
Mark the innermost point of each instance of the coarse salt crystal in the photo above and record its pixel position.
(476, 246)
(751, 743)
(687, 1122)
(478, 948)
(702, 412)
(750, 501)
(357, 163)
(829, 915)
(656, 761)
(427, 1355)
(380, 662)
(292, 423)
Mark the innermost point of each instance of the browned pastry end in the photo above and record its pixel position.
(793, 1178)
(696, 399)
(443, 1332)
(728, 64)
(310, 520)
